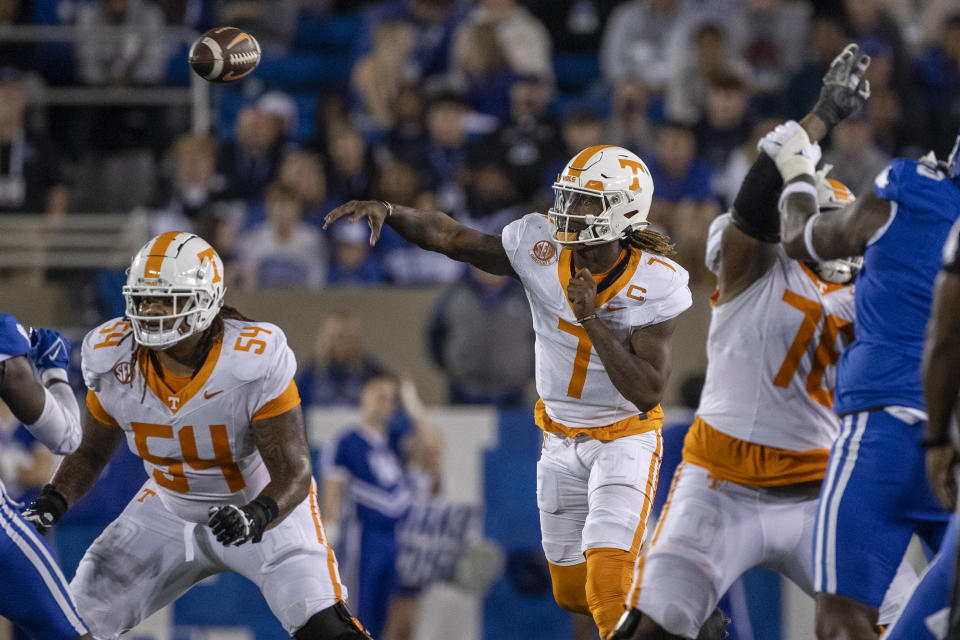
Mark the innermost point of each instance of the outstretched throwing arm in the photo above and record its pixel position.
(431, 230)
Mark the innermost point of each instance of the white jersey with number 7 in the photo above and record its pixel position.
(576, 394)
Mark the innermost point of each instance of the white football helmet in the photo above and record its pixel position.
(184, 269)
(602, 194)
(831, 196)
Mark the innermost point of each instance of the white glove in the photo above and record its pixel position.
(771, 143)
(797, 156)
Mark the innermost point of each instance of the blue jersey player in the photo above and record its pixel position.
(33, 592)
(875, 494)
(366, 493)
(929, 611)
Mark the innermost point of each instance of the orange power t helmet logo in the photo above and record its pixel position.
(543, 253)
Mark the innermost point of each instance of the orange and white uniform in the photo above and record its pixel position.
(746, 493)
(598, 470)
(194, 436)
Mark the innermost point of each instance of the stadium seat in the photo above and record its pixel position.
(576, 71)
(306, 70)
(330, 34)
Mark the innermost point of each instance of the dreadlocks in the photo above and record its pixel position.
(647, 240)
(214, 332)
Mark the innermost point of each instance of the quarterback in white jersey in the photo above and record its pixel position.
(206, 398)
(604, 296)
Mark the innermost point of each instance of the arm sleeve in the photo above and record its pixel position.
(755, 207)
(59, 425)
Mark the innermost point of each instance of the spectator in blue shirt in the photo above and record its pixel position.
(433, 21)
(340, 367)
(683, 203)
(366, 492)
(940, 74)
(353, 261)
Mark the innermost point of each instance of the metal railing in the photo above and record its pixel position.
(72, 241)
(197, 96)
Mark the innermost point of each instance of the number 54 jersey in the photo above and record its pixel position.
(193, 433)
(576, 393)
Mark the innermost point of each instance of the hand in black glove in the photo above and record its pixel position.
(235, 525)
(844, 89)
(46, 510)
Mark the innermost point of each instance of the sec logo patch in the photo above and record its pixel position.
(544, 253)
(123, 372)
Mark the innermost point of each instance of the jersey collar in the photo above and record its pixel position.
(176, 400)
(604, 295)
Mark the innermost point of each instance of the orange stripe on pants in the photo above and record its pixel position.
(322, 538)
(634, 594)
(653, 476)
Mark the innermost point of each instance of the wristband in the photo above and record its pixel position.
(54, 375)
(796, 187)
(388, 206)
(791, 161)
(808, 238)
(269, 505)
(592, 316)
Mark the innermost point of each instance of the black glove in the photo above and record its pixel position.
(46, 510)
(236, 525)
(844, 89)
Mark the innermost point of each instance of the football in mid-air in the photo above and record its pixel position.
(224, 54)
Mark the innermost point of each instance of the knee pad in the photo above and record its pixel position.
(570, 587)
(679, 596)
(608, 575)
(333, 623)
(616, 518)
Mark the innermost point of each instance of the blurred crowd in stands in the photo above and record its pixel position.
(472, 107)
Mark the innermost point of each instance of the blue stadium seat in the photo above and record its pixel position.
(45, 11)
(178, 69)
(306, 71)
(56, 63)
(576, 71)
(330, 34)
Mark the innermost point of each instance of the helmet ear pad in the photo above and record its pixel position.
(184, 269)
